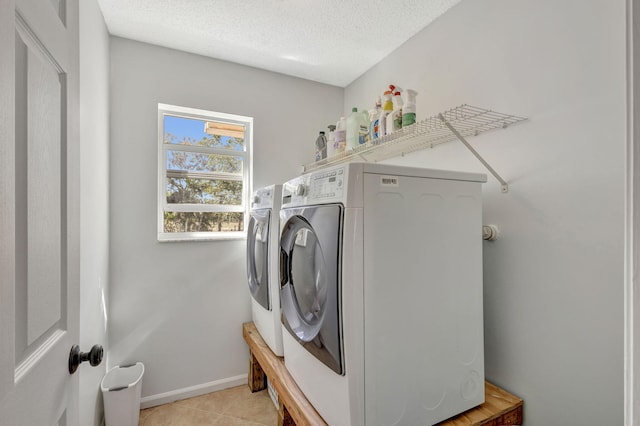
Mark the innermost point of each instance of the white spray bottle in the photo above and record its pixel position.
(331, 141)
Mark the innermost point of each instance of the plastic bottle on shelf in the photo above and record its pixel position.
(363, 135)
(321, 147)
(409, 110)
(340, 136)
(394, 120)
(387, 108)
(374, 118)
(353, 129)
(331, 141)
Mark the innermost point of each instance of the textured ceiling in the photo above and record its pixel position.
(329, 41)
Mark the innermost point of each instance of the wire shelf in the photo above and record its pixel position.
(467, 120)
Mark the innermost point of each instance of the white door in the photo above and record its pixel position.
(39, 211)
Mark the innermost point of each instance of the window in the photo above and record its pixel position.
(204, 174)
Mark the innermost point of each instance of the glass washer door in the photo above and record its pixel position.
(258, 256)
(307, 290)
(309, 279)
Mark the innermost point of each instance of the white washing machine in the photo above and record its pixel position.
(381, 292)
(262, 264)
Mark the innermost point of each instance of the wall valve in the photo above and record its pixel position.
(490, 232)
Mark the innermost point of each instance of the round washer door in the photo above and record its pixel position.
(258, 256)
(310, 281)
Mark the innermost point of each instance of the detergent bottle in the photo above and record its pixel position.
(374, 117)
(321, 147)
(387, 108)
(363, 135)
(340, 136)
(409, 110)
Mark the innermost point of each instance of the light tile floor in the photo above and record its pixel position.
(230, 407)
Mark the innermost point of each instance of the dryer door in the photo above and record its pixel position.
(258, 256)
(310, 257)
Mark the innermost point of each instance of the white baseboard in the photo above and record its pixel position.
(184, 393)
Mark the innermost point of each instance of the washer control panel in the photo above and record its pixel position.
(262, 198)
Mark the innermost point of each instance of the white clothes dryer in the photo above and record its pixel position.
(262, 264)
(381, 292)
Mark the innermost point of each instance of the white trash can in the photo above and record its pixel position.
(121, 389)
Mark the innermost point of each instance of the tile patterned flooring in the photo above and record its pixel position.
(230, 407)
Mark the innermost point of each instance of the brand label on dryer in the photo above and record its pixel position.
(389, 181)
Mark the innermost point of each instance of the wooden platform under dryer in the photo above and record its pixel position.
(499, 409)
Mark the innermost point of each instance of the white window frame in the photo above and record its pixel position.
(247, 168)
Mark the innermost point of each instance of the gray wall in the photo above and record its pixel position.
(178, 307)
(94, 201)
(553, 282)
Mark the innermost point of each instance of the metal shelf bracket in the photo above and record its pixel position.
(504, 185)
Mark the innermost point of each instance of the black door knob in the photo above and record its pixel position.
(94, 356)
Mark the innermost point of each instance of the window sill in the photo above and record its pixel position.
(200, 236)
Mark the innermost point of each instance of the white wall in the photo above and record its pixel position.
(554, 280)
(179, 307)
(94, 201)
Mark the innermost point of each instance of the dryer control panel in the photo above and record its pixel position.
(320, 187)
(327, 185)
